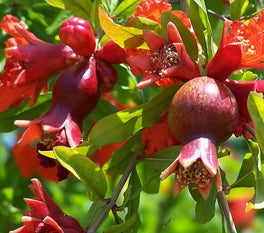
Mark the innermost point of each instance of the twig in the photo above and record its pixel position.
(250, 129)
(216, 15)
(114, 197)
(224, 205)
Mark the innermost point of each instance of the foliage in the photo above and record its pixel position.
(128, 177)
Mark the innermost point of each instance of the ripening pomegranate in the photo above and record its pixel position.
(202, 115)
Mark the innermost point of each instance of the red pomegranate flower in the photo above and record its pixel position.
(166, 62)
(240, 47)
(45, 215)
(26, 69)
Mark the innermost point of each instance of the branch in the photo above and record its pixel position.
(224, 205)
(114, 197)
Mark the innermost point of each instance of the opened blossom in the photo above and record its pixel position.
(27, 70)
(166, 62)
(45, 215)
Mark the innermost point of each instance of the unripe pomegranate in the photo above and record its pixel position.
(203, 107)
(203, 114)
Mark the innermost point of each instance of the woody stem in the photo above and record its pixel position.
(225, 208)
(114, 197)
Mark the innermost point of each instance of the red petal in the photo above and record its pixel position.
(225, 61)
(173, 33)
(143, 63)
(153, 40)
(148, 80)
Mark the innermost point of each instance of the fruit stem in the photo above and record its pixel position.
(221, 198)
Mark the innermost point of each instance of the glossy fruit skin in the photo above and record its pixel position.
(203, 107)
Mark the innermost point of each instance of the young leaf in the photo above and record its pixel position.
(129, 121)
(84, 169)
(256, 109)
(246, 177)
(126, 8)
(201, 25)
(237, 8)
(125, 37)
(187, 37)
(80, 8)
(258, 200)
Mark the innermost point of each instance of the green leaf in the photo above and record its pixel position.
(94, 211)
(149, 177)
(163, 158)
(256, 109)
(126, 9)
(237, 8)
(258, 200)
(84, 169)
(122, 226)
(129, 121)
(187, 37)
(205, 209)
(94, 15)
(201, 25)
(121, 157)
(144, 23)
(133, 203)
(80, 8)
(24, 112)
(125, 37)
(246, 177)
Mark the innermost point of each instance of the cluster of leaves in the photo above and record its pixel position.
(43, 19)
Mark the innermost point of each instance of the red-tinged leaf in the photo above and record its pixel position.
(125, 37)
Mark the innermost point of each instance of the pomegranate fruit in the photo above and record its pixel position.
(202, 115)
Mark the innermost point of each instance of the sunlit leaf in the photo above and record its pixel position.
(144, 23)
(246, 177)
(258, 201)
(84, 169)
(187, 37)
(201, 25)
(125, 37)
(237, 8)
(256, 109)
(126, 8)
(80, 8)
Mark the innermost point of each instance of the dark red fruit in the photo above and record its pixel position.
(203, 114)
(203, 107)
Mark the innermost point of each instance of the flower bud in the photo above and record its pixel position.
(78, 34)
